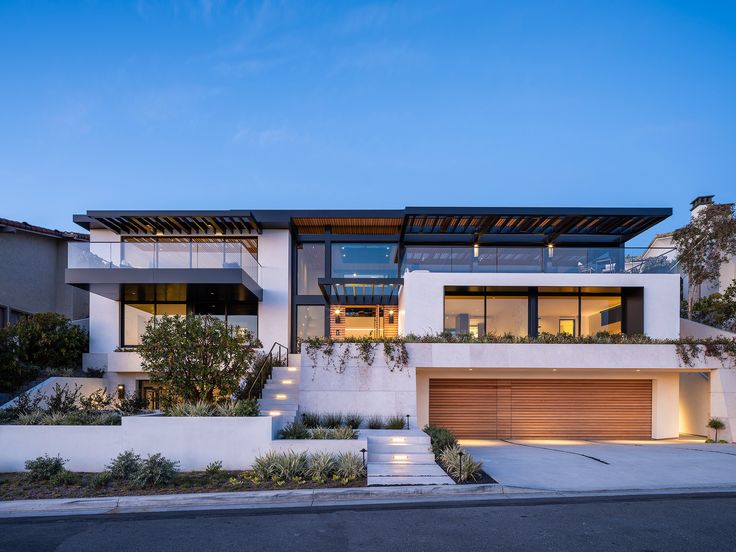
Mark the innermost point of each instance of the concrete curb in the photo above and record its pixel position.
(309, 498)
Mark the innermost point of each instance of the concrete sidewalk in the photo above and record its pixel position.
(309, 498)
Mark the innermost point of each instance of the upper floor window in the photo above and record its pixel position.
(364, 260)
(311, 266)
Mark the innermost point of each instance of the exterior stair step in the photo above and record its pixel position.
(405, 470)
(399, 458)
(378, 480)
(399, 448)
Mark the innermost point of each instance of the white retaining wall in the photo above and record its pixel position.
(194, 442)
(46, 387)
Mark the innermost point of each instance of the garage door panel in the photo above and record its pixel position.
(487, 409)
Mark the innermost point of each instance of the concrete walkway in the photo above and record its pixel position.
(561, 466)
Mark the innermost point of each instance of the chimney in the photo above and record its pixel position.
(699, 203)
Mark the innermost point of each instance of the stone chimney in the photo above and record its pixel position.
(699, 203)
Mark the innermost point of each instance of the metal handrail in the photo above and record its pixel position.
(278, 355)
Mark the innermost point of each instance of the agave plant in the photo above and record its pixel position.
(265, 466)
(461, 468)
(344, 432)
(321, 433)
(321, 466)
(292, 465)
(349, 466)
(199, 408)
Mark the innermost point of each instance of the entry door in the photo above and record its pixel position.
(539, 408)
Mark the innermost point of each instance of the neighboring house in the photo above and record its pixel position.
(664, 242)
(288, 275)
(32, 263)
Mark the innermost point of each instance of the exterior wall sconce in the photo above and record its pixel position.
(121, 391)
(476, 250)
(390, 317)
(551, 250)
(337, 316)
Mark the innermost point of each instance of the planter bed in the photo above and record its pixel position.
(17, 486)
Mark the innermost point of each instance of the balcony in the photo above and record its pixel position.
(101, 267)
(570, 260)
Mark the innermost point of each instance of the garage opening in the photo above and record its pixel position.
(542, 408)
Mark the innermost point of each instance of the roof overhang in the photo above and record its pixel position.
(204, 223)
(361, 291)
(107, 282)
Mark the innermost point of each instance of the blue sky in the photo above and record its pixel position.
(207, 105)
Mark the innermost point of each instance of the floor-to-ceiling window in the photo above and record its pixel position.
(364, 260)
(465, 315)
(310, 321)
(310, 267)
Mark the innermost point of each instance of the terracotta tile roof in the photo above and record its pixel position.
(6, 224)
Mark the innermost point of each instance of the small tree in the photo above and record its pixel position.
(708, 241)
(197, 357)
(717, 425)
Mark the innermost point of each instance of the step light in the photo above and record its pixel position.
(287, 382)
(398, 439)
(291, 369)
(280, 396)
(274, 413)
(401, 457)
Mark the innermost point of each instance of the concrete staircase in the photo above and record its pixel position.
(402, 457)
(280, 398)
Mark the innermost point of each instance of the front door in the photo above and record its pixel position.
(361, 322)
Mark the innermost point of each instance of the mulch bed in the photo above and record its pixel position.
(16, 486)
(482, 478)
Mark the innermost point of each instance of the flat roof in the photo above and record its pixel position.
(522, 225)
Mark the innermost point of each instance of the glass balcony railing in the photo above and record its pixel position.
(132, 255)
(570, 260)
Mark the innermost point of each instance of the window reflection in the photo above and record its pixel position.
(311, 266)
(364, 260)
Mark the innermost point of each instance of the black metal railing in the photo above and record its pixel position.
(278, 355)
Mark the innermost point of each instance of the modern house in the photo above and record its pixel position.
(32, 272)
(290, 275)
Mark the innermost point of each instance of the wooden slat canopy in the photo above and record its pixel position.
(542, 408)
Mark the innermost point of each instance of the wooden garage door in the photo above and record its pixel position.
(492, 408)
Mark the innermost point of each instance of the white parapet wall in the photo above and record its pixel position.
(332, 446)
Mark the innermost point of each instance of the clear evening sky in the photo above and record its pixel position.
(220, 105)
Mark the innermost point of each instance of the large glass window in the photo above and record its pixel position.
(310, 321)
(506, 314)
(364, 260)
(135, 318)
(600, 314)
(558, 315)
(311, 266)
(465, 315)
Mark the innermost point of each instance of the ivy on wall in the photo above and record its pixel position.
(396, 355)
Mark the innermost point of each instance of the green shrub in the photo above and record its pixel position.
(464, 470)
(717, 425)
(332, 420)
(97, 400)
(124, 465)
(31, 418)
(100, 480)
(321, 433)
(321, 466)
(198, 409)
(49, 340)
(310, 419)
(154, 471)
(241, 407)
(441, 438)
(55, 418)
(131, 404)
(344, 432)
(7, 416)
(349, 466)
(43, 468)
(27, 403)
(214, 467)
(395, 422)
(294, 430)
(64, 477)
(63, 399)
(375, 422)
(353, 420)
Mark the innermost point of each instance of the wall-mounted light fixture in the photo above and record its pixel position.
(476, 250)
(390, 317)
(337, 316)
(551, 250)
(121, 391)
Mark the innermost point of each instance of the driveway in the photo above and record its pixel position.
(606, 465)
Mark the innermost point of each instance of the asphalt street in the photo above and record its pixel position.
(633, 523)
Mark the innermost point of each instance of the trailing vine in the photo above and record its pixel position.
(396, 353)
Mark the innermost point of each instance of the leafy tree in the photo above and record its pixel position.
(708, 241)
(197, 357)
(44, 342)
(716, 424)
(718, 309)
